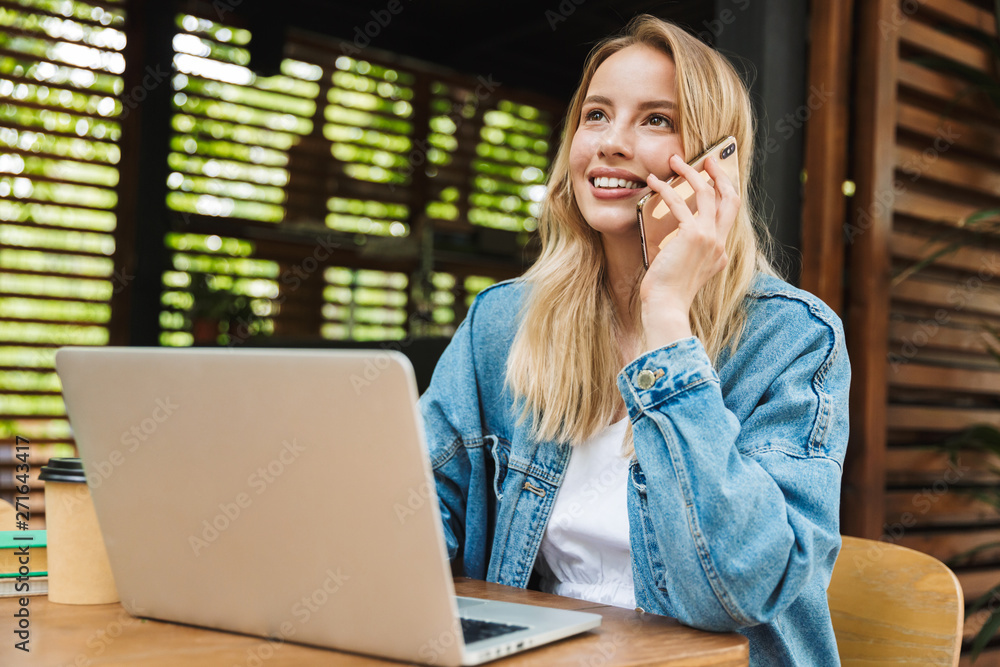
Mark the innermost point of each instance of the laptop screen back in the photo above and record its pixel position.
(279, 493)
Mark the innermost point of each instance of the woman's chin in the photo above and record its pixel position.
(623, 226)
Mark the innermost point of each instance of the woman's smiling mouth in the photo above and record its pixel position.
(614, 183)
(606, 182)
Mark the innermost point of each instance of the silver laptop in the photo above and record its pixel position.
(281, 493)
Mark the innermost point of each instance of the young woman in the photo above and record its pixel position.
(669, 439)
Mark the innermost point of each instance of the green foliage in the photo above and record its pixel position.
(214, 302)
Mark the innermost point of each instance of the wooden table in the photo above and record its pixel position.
(82, 636)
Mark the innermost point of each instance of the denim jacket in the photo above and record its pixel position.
(734, 493)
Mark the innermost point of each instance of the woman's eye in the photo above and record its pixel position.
(595, 115)
(656, 120)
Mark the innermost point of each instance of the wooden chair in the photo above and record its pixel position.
(893, 605)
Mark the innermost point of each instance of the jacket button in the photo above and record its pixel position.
(645, 379)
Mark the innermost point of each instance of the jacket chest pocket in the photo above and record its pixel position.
(500, 451)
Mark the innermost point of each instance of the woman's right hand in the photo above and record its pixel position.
(691, 256)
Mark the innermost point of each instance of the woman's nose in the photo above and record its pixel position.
(616, 142)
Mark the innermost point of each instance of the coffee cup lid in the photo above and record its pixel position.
(63, 470)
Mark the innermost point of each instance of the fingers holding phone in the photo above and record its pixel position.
(727, 203)
(698, 249)
(658, 220)
(715, 200)
(688, 219)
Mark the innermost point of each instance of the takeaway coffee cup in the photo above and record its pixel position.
(79, 572)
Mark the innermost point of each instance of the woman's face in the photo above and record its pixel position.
(626, 132)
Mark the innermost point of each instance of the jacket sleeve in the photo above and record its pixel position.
(736, 517)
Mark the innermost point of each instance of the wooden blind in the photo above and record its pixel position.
(60, 107)
(928, 155)
(365, 196)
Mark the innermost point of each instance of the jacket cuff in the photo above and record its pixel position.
(658, 375)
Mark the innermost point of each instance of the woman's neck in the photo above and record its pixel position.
(621, 274)
(622, 258)
(621, 261)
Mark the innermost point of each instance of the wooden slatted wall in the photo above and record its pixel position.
(927, 154)
(352, 195)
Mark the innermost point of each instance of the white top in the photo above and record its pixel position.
(585, 551)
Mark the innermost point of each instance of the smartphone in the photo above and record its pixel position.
(657, 225)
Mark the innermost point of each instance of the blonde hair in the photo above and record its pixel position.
(566, 356)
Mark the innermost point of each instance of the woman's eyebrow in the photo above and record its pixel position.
(598, 99)
(643, 106)
(657, 104)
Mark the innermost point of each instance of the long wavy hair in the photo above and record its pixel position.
(565, 358)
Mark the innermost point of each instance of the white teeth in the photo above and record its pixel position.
(605, 182)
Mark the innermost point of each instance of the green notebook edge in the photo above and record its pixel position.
(15, 539)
